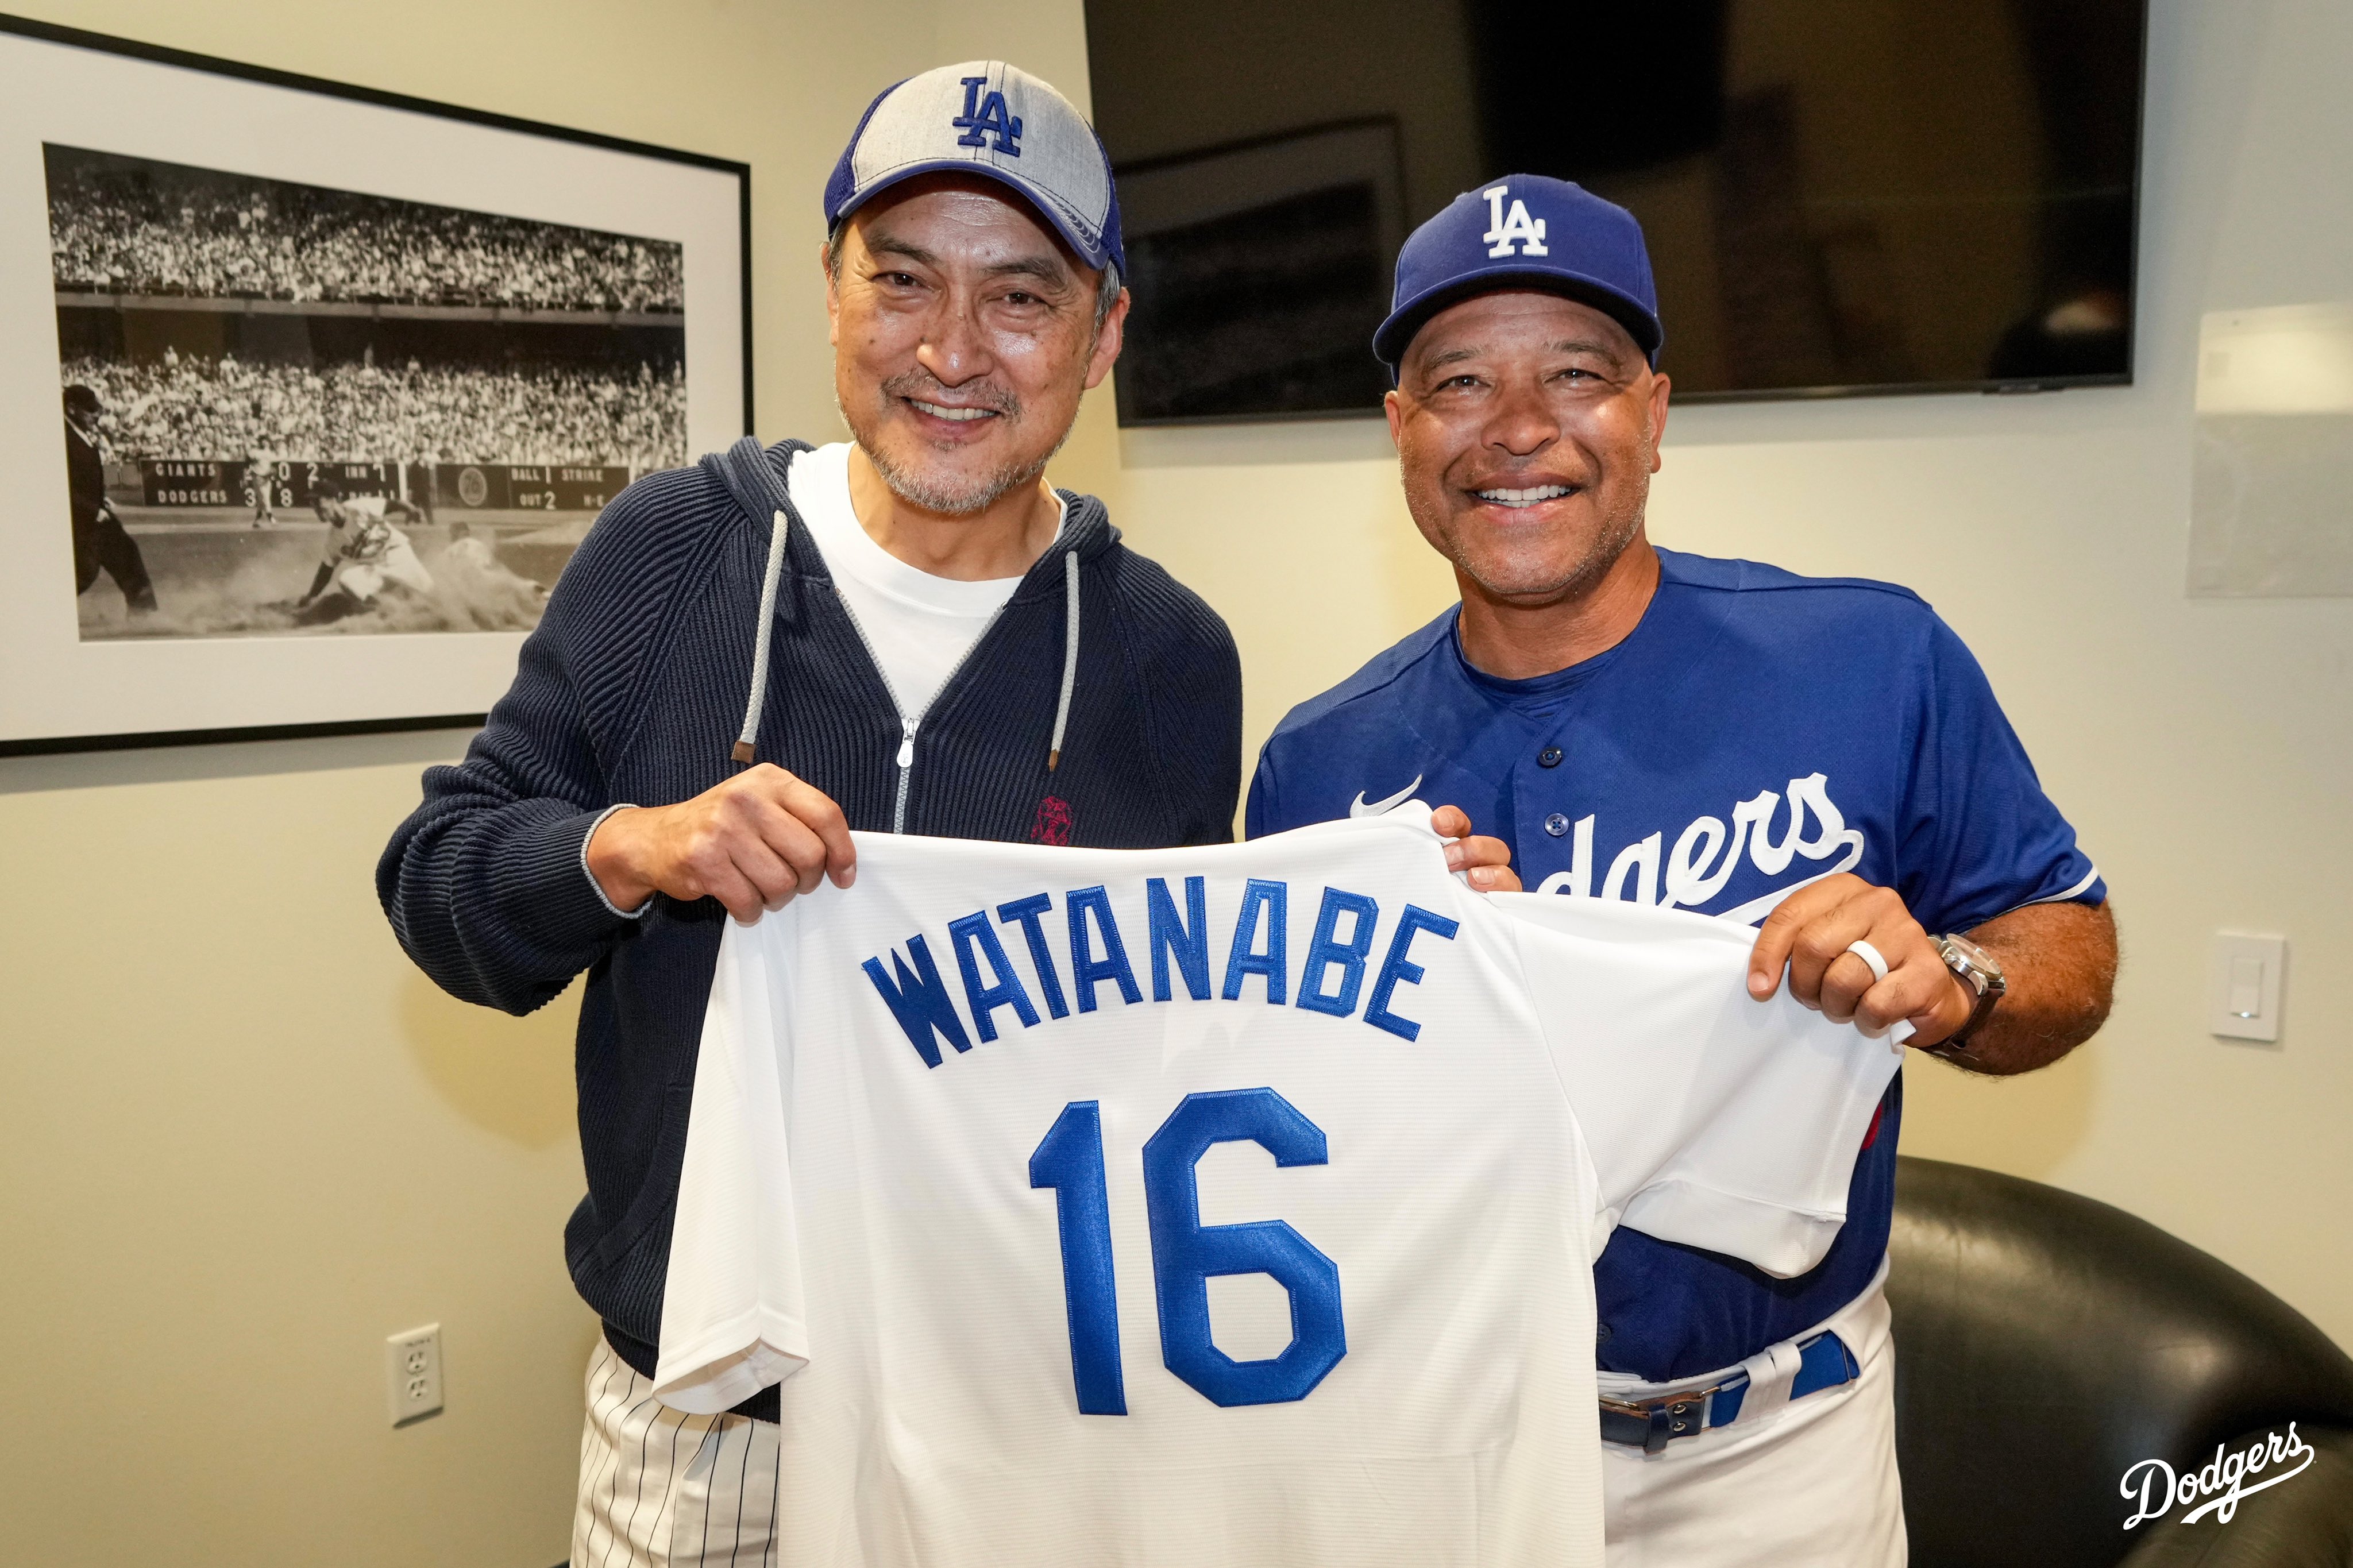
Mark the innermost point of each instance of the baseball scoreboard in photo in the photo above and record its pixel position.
(481, 487)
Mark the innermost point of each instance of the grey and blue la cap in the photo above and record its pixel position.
(990, 119)
(1525, 231)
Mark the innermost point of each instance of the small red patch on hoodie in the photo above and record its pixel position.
(1873, 1136)
(1053, 825)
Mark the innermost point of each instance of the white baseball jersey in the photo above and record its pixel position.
(1230, 1205)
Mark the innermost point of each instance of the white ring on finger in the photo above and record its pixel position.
(1901, 1030)
(1870, 955)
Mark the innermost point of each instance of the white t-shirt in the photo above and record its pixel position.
(1068, 1248)
(918, 626)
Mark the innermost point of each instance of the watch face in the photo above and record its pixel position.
(1986, 967)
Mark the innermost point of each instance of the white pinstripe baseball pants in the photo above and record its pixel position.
(659, 1489)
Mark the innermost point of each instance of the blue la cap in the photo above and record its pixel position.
(990, 119)
(1525, 231)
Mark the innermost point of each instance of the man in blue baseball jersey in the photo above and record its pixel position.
(1821, 757)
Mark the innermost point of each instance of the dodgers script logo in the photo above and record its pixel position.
(984, 117)
(1502, 232)
(1706, 853)
(2155, 1489)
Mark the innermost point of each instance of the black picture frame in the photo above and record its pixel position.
(101, 736)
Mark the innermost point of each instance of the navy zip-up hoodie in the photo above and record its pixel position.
(634, 688)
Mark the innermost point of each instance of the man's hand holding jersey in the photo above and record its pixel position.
(1485, 863)
(2057, 958)
(751, 842)
(755, 840)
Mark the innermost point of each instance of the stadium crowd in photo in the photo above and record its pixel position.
(138, 227)
(185, 407)
(286, 386)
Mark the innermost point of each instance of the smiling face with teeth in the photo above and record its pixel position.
(1527, 429)
(965, 332)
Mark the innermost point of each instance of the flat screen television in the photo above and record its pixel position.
(1841, 196)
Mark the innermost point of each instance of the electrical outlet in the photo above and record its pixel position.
(412, 1367)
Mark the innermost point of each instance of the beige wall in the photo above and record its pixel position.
(245, 1140)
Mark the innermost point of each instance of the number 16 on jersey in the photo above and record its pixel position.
(1185, 1253)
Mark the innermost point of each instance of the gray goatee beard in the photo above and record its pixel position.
(949, 495)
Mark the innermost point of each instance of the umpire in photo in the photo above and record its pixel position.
(100, 541)
(748, 658)
(1821, 757)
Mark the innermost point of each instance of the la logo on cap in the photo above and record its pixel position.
(1502, 234)
(988, 115)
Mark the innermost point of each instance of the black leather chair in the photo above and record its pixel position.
(2046, 1344)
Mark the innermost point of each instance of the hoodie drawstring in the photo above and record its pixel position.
(746, 743)
(1070, 657)
(747, 747)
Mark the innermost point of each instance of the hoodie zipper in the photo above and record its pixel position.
(906, 773)
(907, 727)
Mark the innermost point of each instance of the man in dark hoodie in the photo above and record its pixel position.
(748, 658)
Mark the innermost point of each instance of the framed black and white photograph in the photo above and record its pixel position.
(314, 390)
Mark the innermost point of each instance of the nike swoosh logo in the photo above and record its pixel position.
(1374, 808)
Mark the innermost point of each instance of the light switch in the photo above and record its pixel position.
(2243, 985)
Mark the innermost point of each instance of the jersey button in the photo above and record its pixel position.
(1549, 757)
(1556, 825)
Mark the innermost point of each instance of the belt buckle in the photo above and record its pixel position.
(1665, 1419)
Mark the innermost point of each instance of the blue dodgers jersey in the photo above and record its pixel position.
(1756, 732)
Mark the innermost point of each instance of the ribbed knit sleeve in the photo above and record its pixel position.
(484, 883)
(1192, 674)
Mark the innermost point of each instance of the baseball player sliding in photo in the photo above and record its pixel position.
(361, 556)
(476, 589)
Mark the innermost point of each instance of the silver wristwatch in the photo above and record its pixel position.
(1981, 973)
